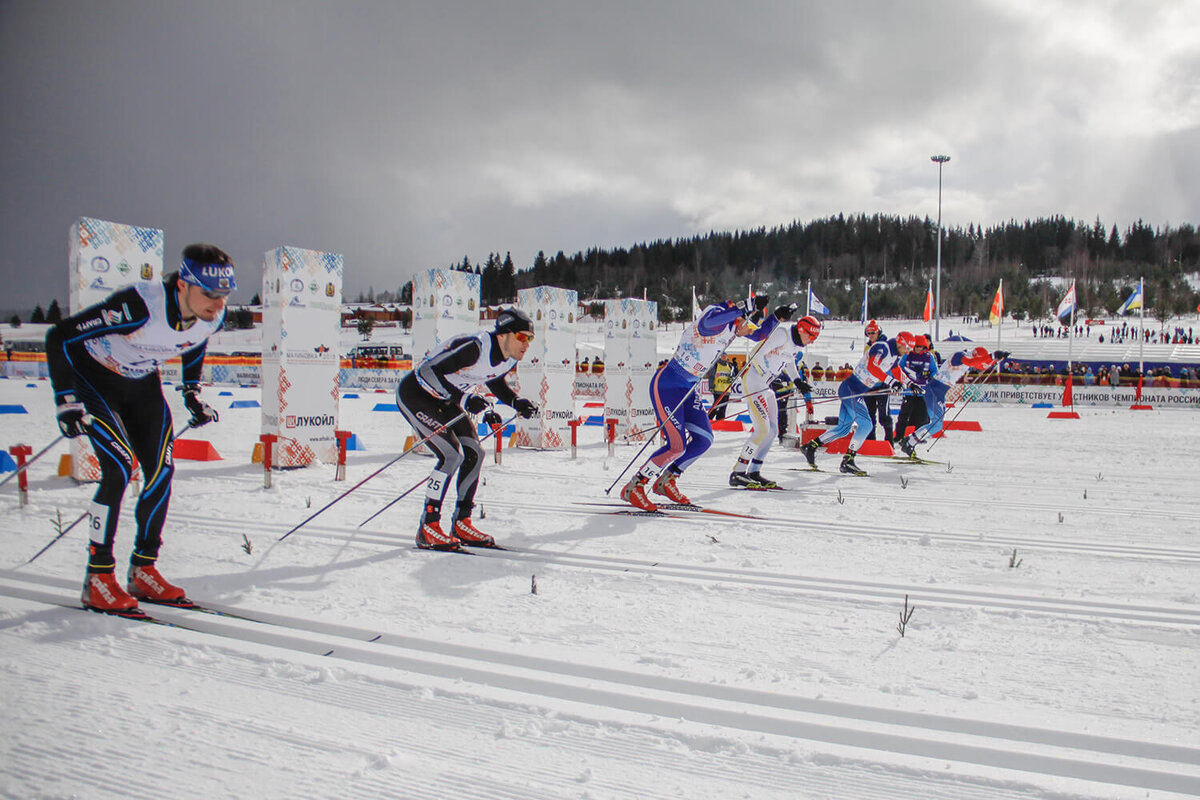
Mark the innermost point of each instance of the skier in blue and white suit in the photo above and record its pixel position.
(878, 365)
(950, 372)
(683, 419)
(778, 356)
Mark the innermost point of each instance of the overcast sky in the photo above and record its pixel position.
(407, 135)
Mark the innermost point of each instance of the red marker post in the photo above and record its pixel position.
(19, 451)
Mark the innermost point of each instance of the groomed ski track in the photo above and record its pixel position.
(1155, 767)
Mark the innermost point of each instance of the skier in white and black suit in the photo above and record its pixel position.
(437, 392)
(104, 364)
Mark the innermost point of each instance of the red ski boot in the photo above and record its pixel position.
(472, 536)
(634, 493)
(432, 537)
(147, 583)
(102, 593)
(665, 485)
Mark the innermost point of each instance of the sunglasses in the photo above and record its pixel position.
(214, 295)
(523, 336)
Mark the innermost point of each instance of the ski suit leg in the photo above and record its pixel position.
(102, 393)
(935, 404)
(666, 395)
(700, 434)
(764, 420)
(851, 413)
(149, 427)
(427, 414)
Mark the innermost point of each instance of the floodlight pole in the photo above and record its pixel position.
(937, 299)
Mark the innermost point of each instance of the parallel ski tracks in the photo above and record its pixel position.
(869, 591)
(1153, 766)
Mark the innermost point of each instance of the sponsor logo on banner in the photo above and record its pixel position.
(296, 285)
(100, 264)
(312, 287)
(471, 304)
(99, 284)
(330, 291)
(147, 272)
(123, 268)
(296, 302)
(312, 421)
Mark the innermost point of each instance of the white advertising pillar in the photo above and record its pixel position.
(104, 257)
(302, 300)
(445, 305)
(630, 360)
(547, 374)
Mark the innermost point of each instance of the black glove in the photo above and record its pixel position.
(202, 413)
(895, 386)
(73, 419)
(474, 403)
(491, 418)
(916, 389)
(761, 301)
(1000, 355)
(803, 386)
(524, 407)
(785, 313)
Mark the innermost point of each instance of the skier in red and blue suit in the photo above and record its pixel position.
(683, 419)
(880, 364)
(950, 372)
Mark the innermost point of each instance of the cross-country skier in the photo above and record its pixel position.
(951, 371)
(777, 356)
(433, 398)
(104, 367)
(878, 365)
(677, 405)
(877, 401)
(919, 365)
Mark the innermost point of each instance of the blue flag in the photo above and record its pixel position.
(815, 306)
(1133, 302)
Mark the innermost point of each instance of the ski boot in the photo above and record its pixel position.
(742, 480)
(848, 465)
(634, 493)
(469, 535)
(430, 536)
(145, 582)
(102, 593)
(908, 447)
(760, 482)
(665, 485)
(809, 449)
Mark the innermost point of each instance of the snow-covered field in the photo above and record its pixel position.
(1054, 649)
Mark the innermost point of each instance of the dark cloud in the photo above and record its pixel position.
(409, 135)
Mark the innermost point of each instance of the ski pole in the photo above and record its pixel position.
(413, 488)
(25, 466)
(690, 391)
(61, 534)
(372, 475)
(982, 377)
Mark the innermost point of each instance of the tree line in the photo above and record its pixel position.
(896, 256)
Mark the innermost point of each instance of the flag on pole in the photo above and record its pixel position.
(1134, 301)
(928, 313)
(998, 305)
(815, 306)
(1067, 304)
(864, 305)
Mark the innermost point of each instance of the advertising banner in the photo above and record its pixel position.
(302, 296)
(630, 360)
(106, 256)
(547, 374)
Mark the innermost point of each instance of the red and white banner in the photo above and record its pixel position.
(547, 374)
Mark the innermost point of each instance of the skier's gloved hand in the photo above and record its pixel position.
(474, 403)
(803, 386)
(73, 419)
(785, 313)
(895, 385)
(1000, 355)
(491, 418)
(916, 389)
(762, 301)
(524, 407)
(202, 413)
